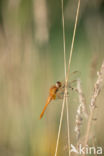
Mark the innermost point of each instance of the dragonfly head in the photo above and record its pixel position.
(58, 84)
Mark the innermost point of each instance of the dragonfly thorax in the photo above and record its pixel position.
(58, 84)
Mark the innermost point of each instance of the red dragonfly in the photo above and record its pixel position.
(56, 92)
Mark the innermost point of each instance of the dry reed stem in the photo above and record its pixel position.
(66, 80)
(64, 44)
(68, 125)
(97, 89)
(71, 50)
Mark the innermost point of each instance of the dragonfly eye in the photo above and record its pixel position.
(58, 84)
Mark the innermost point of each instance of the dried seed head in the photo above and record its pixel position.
(81, 111)
(97, 87)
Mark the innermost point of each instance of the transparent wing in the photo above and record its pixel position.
(74, 75)
(71, 84)
(60, 93)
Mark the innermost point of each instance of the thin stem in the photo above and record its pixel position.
(64, 44)
(68, 128)
(60, 124)
(66, 77)
(71, 50)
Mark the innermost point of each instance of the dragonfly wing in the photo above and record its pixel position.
(72, 83)
(74, 75)
(60, 93)
(72, 78)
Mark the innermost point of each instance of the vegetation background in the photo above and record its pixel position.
(31, 60)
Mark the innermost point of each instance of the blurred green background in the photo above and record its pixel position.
(31, 60)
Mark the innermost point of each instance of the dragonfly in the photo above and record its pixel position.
(57, 92)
